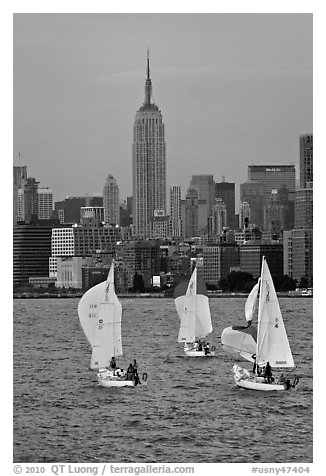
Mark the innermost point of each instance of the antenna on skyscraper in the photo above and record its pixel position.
(148, 75)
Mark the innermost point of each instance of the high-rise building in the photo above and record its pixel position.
(306, 155)
(273, 177)
(45, 203)
(226, 191)
(218, 218)
(253, 194)
(149, 163)
(28, 201)
(175, 210)
(304, 207)
(111, 201)
(19, 179)
(205, 186)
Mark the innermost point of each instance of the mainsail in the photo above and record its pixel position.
(272, 342)
(100, 314)
(192, 306)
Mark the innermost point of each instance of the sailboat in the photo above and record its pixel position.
(241, 341)
(272, 343)
(100, 315)
(192, 306)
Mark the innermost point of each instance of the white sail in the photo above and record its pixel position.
(100, 313)
(193, 310)
(251, 302)
(272, 342)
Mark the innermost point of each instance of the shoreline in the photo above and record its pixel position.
(144, 295)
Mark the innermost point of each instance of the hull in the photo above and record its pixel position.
(118, 378)
(249, 381)
(192, 351)
(198, 353)
(106, 382)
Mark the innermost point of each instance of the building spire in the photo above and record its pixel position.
(148, 85)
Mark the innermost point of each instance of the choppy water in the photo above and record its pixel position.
(190, 411)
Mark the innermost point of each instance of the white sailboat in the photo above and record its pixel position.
(241, 341)
(272, 342)
(100, 315)
(192, 306)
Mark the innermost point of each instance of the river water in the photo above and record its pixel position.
(190, 411)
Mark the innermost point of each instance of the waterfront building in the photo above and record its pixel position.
(69, 272)
(82, 241)
(251, 255)
(306, 159)
(141, 257)
(148, 163)
(304, 207)
(219, 260)
(287, 254)
(31, 251)
(302, 254)
(226, 191)
(111, 201)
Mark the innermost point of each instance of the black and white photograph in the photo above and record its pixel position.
(162, 241)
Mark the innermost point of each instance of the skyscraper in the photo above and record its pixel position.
(175, 210)
(45, 203)
(306, 154)
(28, 200)
(111, 201)
(148, 163)
(226, 191)
(19, 178)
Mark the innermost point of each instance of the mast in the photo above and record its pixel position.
(259, 312)
(148, 85)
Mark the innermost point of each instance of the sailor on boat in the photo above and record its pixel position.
(113, 364)
(268, 373)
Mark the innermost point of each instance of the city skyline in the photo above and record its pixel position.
(225, 107)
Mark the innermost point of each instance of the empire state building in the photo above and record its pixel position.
(149, 164)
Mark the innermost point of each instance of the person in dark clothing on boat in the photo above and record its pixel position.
(268, 373)
(255, 366)
(207, 349)
(113, 364)
(200, 346)
(135, 366)
(130, 372)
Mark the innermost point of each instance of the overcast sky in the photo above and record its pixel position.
(234, 90)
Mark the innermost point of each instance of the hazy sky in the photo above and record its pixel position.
(234, 90)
